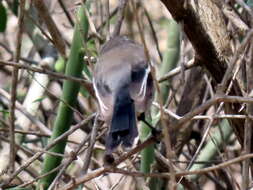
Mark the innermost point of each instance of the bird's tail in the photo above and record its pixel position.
(123, 125)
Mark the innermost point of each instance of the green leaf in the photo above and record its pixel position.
(15, 6)
(4, 111)
(3, 18)
(60, 65)
(39, 99)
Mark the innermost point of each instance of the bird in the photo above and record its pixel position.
(123, 86)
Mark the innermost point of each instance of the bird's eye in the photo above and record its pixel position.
(107, 88)
(103, 88)
(138, 74)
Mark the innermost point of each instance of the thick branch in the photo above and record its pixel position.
(195, 31)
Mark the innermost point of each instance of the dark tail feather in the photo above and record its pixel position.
(123, 125)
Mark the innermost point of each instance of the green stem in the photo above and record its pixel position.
(170, 59)
(63, 120)
(211, 149)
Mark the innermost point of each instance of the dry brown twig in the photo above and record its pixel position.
(89, 150)
(209, 103)
(177, 70)
(105, 169)
(121, 8)
(167, 139)
(14, 87)
(92, 138)
(85, 83)
(238, 53)
(248, 124)
(41, 176)
(234, 18)
(66, 12)
(185, 173)
(153, 32)
(51, 26)
(37, 155)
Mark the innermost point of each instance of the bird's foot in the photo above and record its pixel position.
(156, 133)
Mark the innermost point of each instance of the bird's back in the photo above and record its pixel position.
(123, 85)
(117, 59)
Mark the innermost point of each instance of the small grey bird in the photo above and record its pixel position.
(123, 85)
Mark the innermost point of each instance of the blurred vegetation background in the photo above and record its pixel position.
(50, 133)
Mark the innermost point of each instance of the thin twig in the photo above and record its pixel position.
(87, 84)
(165, 126)
(38, 134)
(66, 12)
(237, 55)
(89, 150)
(51, 26)
(26, 132)
(99, 28)
(184, 173)
(117, 182)
(121, 8)
(234, 18)
(153, 33)
(31, 19)
(209, 124)
(177, 70)
(20, 108)
(217, 99)
(72, 158)
(108, 20)
(246, 7)
(204, 117)
(27, 60)
(41, 176)
(103, 170)
(14, 87)
(49, 146)
(92, 26)
(248, 124)
(69, 161)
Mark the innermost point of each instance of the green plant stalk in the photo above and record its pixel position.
(170, 56)
(211, 149)
(63, 121)
(148, 154)
(170, 59)
(3, 17)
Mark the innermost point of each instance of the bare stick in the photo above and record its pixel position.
(38, 154)
(248, 124)
(66, 12)
(51, 26)
(103, 170)
(177, 70)
(165, 126)
(108, 19)
(41, 176)
(89, 151)
(185, 173)
(14, 87)
(237, 55)
(217, 99)
(69, 161)
(122, 5)
(153, 33)
(246, 7)
(84, 82)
